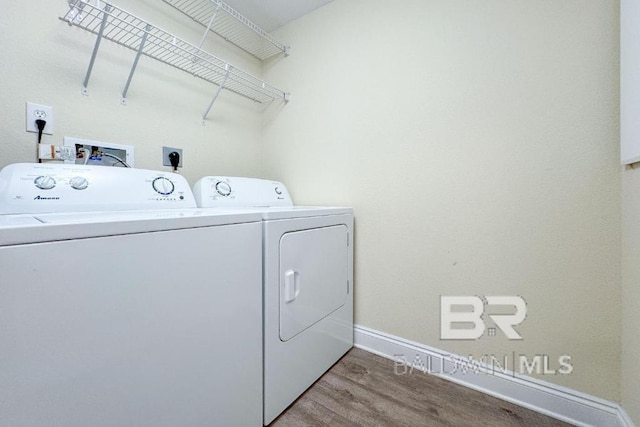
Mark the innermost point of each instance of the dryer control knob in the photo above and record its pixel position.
(44, 182)
(223, 188)
(78, 183)
(163, 185)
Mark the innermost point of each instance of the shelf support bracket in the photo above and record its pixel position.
(96, 46)
(209, 25)
(224, 81)
(123, 101)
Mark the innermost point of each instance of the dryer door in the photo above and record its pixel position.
(313, 277)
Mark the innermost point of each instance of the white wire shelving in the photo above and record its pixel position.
(110, 22)
(231, 25)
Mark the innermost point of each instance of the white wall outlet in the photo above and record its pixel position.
(165, 155)
(37, 111)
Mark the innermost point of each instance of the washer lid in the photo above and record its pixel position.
(193, 217)
(17, 220)
(65, 226)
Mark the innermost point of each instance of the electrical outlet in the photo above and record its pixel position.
(165, 155)
(35, 112)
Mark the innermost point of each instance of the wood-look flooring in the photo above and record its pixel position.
(363, 390)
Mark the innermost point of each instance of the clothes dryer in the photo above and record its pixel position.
(307, 283)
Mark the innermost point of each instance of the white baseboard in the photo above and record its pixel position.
(546, 398)
(624, 419)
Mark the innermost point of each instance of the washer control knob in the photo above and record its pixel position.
(278, 190)
(44, 182)
(79, 183)
(163, 185)
(223, 188)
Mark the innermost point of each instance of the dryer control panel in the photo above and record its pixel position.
(57, 187)
(221, 191)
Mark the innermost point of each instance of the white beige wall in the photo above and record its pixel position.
(44, 61)
(631, 291)
(478, 143)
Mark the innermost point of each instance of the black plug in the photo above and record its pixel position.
(40, 124)
(174, 159)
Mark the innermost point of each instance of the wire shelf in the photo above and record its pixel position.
(228, 23)
(112, 23)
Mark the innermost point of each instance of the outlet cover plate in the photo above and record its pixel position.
(35, 112)
(165, 155)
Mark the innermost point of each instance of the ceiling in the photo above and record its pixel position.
(271, 14)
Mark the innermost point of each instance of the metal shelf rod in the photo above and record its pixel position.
(215, 96)
(94, 53)
(135, 64)
(206, 31)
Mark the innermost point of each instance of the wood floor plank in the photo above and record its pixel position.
(362, 389)
(426, 391)
(306, 412)
(364, 405)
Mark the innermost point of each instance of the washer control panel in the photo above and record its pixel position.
(57, 187)
(221, 191)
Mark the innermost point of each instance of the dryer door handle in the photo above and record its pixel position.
(291, 285)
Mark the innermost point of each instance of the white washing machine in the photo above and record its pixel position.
(308, 278)
(145, 317)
